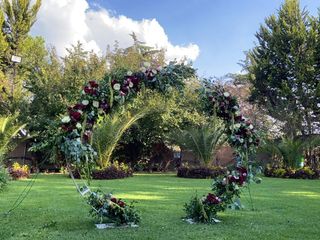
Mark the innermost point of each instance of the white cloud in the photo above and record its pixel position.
(64, 22)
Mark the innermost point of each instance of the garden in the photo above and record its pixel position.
(128, 145)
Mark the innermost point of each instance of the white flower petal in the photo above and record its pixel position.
(85, 102)
(95, 104)
(116, 86)
(66, 119)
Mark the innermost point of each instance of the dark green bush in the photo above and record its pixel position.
(113, 171)
(201, 172)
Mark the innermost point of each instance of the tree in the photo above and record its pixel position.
(284, 69)
(16, 20)
(20, 15)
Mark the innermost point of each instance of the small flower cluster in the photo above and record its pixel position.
(130, 84)
(240, 177)
(112, 210)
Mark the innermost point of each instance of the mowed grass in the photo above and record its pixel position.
(286, 209)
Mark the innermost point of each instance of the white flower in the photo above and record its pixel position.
(129, 73)
(79, 126)
(146, 64)
(116, 86)
(95, 104)
(130, 84)
(85, 102)
(241, 140)
(65, 119)
(251, 126)
(226, 94)
(154, 71)
(143, 69)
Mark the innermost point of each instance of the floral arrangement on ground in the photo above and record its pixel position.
(225, 194)
(109, 209)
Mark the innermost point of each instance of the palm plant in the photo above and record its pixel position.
(110, 128)
(203, 141)
(109, 131)
(289, 150)
(8, 130)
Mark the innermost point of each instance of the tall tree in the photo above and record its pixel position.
(19, 16)
(284, 68)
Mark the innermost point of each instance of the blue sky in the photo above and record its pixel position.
(223, 29)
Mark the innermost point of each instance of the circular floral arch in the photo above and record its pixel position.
(120, 86)
(117, 88)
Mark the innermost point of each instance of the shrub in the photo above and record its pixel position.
(305, 173)
(112, 171)
(18, 171)
(201, 172)
(4, 177)
(301, 173)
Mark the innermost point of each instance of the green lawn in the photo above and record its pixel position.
(286, 209)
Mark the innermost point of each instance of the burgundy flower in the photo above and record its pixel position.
(242, 171)
(134, 80)
(105, 106)
(212, 199)
(121, 203)
(87, 136)
(87, 90)
(75, 115)
(93, 84)
(125, 89)
(114, 200)
(79, 106)
(232, 179)
(67, 128)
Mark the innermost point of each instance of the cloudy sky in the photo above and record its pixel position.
(212, 33)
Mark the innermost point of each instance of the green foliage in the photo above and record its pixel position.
(4, 177)
(9, 128)
(133, 57)
(20, 15)
(195, 210)
(284, 68)
(204, 141)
